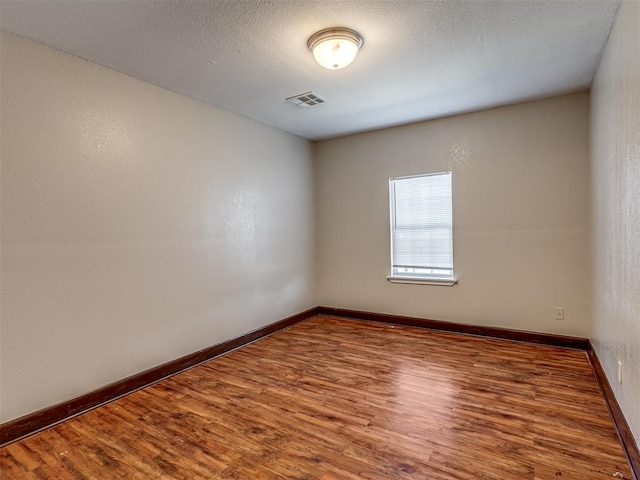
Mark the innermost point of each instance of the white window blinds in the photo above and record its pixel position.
(421, 226)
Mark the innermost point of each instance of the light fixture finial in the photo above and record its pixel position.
(335, 47)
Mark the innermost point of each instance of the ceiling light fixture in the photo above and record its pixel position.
(335, 48)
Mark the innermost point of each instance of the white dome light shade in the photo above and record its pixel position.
(335, 48)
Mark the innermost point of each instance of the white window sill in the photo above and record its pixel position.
(444, 282)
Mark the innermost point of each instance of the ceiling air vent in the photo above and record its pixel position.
(306, 100)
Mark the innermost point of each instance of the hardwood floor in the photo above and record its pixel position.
(336, 399)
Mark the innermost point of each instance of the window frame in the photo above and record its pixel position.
(418, 279)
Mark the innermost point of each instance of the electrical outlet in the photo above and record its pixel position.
(559, 313)
(619, 372)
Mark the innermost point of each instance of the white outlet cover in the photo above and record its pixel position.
(559, 315)
(619, 372)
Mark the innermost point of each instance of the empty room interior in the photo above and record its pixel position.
(320, 239)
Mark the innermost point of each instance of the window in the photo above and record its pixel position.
(421, 229)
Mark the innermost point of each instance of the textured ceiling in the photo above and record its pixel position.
(420, 59)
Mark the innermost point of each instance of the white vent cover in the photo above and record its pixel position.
(306, 100)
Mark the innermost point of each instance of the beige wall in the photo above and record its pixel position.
(520, 181)
(615, 152)
(137, 226)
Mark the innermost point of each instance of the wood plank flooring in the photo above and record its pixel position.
(336, 399)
